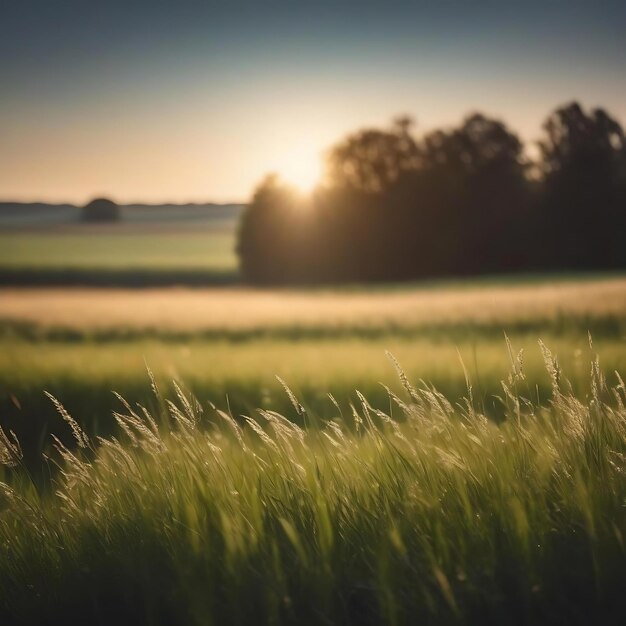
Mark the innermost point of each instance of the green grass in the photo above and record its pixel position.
(109, 251)
(228, 344)
(505, 507)
(124, 258)
(433, 516)
(243, 373)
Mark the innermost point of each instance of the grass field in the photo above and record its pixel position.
(228, 344)
(124, 254)
(212, 250)
(433, 516)
(592, 303)
(489, 504)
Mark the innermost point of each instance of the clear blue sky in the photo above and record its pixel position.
(190, 101)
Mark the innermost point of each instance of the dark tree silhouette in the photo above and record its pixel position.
(371, 159)
(478, 194)
(583, 162)
(278, 234)
(576, 139)
(101, 210)
(457, 201)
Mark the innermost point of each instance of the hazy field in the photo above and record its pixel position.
(466, 509)
(158, 245)
(228, 344)
(151, 251)
(548, 304)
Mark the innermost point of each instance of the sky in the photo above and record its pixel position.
(194, 101)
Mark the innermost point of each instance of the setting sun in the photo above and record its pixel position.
(301, 167)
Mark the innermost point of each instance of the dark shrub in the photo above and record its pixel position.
(101, 210)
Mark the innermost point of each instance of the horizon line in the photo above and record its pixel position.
(124, 203)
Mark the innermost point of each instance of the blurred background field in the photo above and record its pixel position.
(106, 251)
(228, 344)
(511, 304)
(150, 244)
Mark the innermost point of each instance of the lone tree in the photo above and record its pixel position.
(101, 210)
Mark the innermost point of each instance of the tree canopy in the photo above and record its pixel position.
(454, 201)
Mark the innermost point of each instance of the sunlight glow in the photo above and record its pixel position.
(301, 167)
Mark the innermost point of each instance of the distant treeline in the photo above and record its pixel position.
(21, 207)
(39, 215)
(457, 201)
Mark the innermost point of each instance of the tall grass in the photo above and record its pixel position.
(427, 513)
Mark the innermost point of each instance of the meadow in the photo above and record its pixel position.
(430, 514)
(228, 344)
(421, 457)
(107, 251)
(137, 251)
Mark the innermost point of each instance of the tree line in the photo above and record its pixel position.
(459, 201)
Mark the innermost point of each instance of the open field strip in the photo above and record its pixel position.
(100, 249)
(242, 374)
(536, 305)
(309, 363)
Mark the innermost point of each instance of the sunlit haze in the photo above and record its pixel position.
(187, 101)
(300, 166)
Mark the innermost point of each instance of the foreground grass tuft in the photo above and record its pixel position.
(428, 513)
